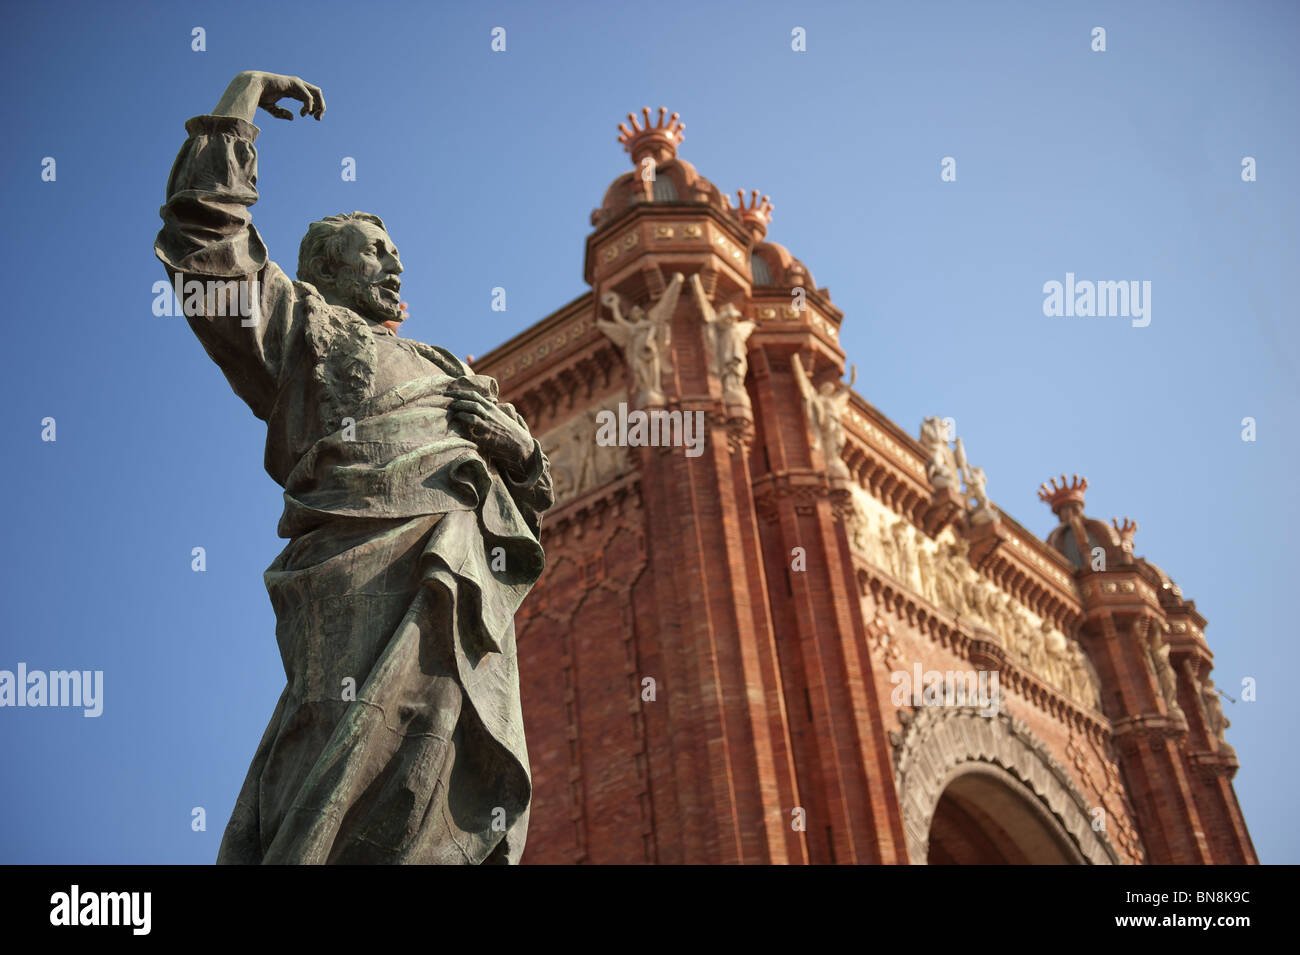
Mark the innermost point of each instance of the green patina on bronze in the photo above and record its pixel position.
(412, 509)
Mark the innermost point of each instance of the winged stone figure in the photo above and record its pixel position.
(825, 409)
(728, 332)
(644, 337)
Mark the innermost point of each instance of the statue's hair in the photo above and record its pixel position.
(323, 241)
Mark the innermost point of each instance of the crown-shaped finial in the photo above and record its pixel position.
(660, 140)
(1126, 532)
(754, 214)
(1058, 495)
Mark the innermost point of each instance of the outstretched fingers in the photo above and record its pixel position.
(313, 100)
(306, 94)
(279, 87)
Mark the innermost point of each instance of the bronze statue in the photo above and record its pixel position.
(412, 510)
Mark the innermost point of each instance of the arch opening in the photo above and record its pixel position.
(986, 817)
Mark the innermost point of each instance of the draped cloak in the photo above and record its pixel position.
(398, 737)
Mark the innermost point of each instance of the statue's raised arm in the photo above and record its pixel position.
(618, 329)
(238, 302)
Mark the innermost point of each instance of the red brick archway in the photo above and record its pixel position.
(977, 790)
(986, 817)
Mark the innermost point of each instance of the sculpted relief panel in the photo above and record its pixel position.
(578, 463)
(941, 572)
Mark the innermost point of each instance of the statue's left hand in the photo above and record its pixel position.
(498, 436)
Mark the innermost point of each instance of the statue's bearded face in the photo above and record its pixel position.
(364, 274)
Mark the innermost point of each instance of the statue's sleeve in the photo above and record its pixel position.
(246, 319)
(532, 489)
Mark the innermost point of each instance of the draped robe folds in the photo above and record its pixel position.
(398, 737)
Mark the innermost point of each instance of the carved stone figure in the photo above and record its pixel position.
(860, 534)
(862, 527)
(945, 589)
(1025, 640)
(888, 549)
(1038, 648)
(727, 333)
(948, 584)
(972, 589)
(925, 568)
(982, 510)
(398, 737)
(644, 338)
(1214, 716)
(941, 463)
(1058, 657)
(825, 409)
(1158, 654)
(992, 605)
(578, 462)
(1007, 619)
(904, 554)
(573, 463)
(871, 538)
(1019, 628)
(1083, 683)
(881, 640)
(982, 599)
(965, 597)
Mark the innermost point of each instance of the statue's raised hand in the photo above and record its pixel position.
(254, 88)
(276, 87)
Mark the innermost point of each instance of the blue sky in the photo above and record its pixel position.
(1117, 165)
